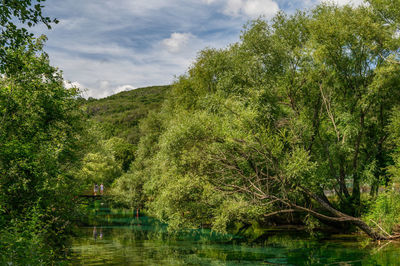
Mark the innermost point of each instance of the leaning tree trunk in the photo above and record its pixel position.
(342, 217)
(265, 185)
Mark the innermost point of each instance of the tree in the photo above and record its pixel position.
(299, 108)
(13, 37)
(331, 131)
(41, 141)
(106, 160)
(41, 146)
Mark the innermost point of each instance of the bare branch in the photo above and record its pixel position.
(328, 110)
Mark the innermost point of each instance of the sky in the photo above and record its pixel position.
(107, 46)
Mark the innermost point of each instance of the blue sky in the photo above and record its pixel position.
(107, 46)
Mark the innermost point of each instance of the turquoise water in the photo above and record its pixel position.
(119, 238)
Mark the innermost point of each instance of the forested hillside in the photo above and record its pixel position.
(120, 113)
(113, 132)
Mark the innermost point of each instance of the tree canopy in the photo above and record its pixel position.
(41, 141)
(13, 36)
(300, 109)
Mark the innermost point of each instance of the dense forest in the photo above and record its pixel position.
(300, 119)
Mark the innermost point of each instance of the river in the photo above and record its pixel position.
(117, 237)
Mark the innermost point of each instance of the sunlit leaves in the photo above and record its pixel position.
(12, 36)
(301, 101)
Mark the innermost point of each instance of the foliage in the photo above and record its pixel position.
(388, 10)
(128, 189)
(113, 138)
(41, 146)
(24, 240)
(13, 13)
(41, 142)
(385, 211)
(106, 161)
(300, 108)
(119, 114)
(394, 138)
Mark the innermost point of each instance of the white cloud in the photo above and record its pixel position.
(124, 88)
(251, 8)
(396, 35)
(177, 41)
(345, 2)
(233, 7)
(75, 84)
(254, 8)
(104, 84)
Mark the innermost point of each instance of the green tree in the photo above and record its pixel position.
(41, 146)
(106, 160)
(128, 189)
(12, 36)
(298, 110)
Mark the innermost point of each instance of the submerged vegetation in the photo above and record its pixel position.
(298, 122)
(156, 245)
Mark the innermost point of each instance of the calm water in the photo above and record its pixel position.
(119, 238)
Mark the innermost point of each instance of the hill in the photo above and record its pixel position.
(119, 114)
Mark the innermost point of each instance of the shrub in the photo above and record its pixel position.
(385, 211)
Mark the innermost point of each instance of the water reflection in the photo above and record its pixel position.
(123, 239)
(97, 234)
(94, 233)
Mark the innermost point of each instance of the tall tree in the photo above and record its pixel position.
(39, 133)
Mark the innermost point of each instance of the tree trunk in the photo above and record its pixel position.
(342, 217)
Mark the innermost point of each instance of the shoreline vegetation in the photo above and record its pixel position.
(289, 125)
